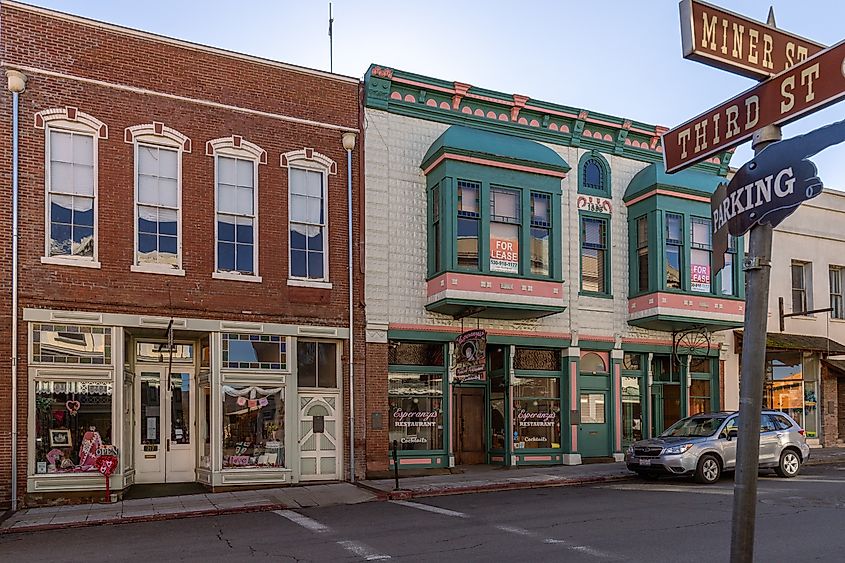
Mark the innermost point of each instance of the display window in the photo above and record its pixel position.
(71, 344)
(253, 427)
(72, 420)
(254, 351)
(536, 412)
(416, 410)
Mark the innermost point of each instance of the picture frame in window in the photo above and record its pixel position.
(60, 439)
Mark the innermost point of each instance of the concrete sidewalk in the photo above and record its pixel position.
(474, 479)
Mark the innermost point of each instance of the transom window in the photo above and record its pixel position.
(236, 215)
(71, 193)
(157, 206)
(316, 364)
(308, 256)
(254, 351)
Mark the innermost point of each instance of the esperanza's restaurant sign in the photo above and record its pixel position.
(402, 418)
(471, 356)
(525, 418)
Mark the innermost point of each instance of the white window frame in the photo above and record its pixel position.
(840, 273)
(70, 120)
(237, 147)
(338, 346)
(158, 136)
(311, 161)
(807, 271)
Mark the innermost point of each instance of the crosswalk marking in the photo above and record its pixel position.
(303, 521)
(361, 550)
(429, 508)
(586, 550)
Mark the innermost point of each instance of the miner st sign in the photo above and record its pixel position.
(770, 186)
(717, 37)
(807, 87)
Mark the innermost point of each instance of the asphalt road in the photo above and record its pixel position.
(800, 519)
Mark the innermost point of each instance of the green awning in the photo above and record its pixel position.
(654, 176)
(459, 139)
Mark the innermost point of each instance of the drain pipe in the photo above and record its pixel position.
(16, 85)
(349, 144)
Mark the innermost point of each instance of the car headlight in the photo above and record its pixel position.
(677, 450)
(630, 450)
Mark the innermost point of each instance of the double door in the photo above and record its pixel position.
(165, 425)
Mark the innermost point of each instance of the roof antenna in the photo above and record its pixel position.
(331, 20)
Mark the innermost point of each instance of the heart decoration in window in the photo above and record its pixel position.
(72, 407)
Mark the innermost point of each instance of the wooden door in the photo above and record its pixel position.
(469, 426)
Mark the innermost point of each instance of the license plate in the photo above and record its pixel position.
(645, 462)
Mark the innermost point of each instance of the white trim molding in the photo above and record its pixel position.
(157, 133)
(308, 158)
(236, 145)
(71, 118)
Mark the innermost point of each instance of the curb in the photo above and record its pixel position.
(146, 518)
(491, 487)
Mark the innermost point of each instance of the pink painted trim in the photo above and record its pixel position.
(423, 85)
(477, 283)
(666, 192)
(617, 383)
(498, 332)
(497, 458)
(573, 402)
(700, 304)
(537, 458)
(493, 163)
(414, 461)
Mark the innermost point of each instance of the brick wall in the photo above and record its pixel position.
(829, 407)
(124, 78)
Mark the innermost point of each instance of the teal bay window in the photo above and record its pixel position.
(494, 205)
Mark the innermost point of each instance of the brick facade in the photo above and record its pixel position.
(125, 78)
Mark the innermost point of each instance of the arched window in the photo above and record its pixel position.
(593, 363)
(594, 175)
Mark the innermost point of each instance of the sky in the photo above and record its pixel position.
(618, 57)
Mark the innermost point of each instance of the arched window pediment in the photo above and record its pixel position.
(71, 118)
(157, 133)
(235, 145)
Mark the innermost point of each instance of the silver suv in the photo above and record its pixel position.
(704, 445)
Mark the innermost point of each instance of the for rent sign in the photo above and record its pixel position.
(810, 86)
(717, 37)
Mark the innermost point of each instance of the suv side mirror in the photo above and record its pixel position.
(732, 433)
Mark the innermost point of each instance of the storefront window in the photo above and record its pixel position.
(71, 344)
(497, 412)
(204, 422)
(415, 353)
(699, 396)
(161, 352)
(536, 359)
(254, 351)
(792, 388)
(253, 427)
(416, 410)
(632, 411)
(72, 420)
(536, 412)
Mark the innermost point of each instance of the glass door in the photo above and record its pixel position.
(165, 424)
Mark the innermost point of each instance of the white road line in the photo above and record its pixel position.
(653, 489)
(303, 521)
(552, 541)
(361, 550)
(812, 480)
(429, 508)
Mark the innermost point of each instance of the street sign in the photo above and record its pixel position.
(810, 86)
(720, 38)
(769, 187)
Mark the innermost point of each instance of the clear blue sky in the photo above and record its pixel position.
(617, 57)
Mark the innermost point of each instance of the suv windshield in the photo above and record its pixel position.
(694, 427)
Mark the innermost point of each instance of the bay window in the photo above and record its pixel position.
(505, 219)
(541, 232)
(642, 254)
(468, 224)
(674, 250)
(700, 255)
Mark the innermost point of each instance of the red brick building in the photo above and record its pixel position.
(183, 262)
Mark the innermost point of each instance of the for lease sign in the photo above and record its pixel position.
(810, 86)
(504, 255)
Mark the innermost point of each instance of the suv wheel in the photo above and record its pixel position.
(709, 470)
(790, 464)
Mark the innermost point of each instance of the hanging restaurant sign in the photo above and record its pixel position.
(720, 38)
(470, 356)
(770, 187)
(805, 88)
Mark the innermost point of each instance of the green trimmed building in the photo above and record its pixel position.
(551, 234)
